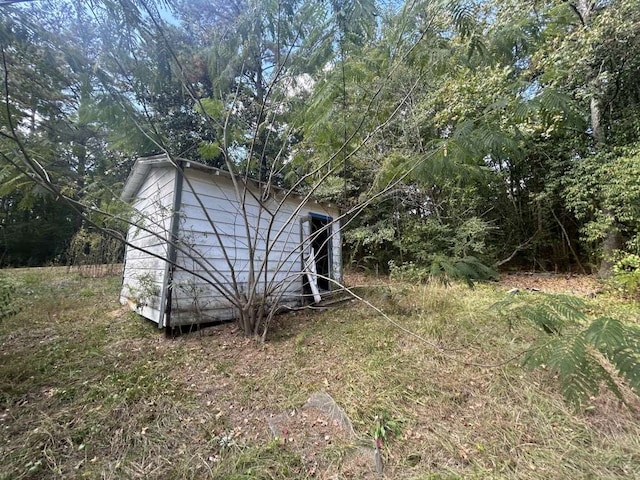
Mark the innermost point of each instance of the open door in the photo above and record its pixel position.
(310, 278)
(316, 241)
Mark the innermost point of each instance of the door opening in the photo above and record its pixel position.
(321, 244)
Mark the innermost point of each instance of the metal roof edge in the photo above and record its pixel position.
(138, 173)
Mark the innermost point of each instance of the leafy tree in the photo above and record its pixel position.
(605, 183)
(34, 229)
(588, 52)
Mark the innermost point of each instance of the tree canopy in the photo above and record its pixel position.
(459, 135)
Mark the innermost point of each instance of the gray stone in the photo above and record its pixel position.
(326, 404)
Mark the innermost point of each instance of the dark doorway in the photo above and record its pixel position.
(321, 243)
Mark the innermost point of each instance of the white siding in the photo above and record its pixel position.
(272, 227)
(144, 274)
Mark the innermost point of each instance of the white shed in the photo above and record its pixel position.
(194, 233)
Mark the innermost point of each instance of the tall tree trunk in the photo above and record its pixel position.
(596, 121)
(612, 241)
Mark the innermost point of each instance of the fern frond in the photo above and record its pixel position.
(581, 357)
(493, 140)
(539, 354)
(545, 318)
(606, 334)
(522, 111)
(551, 313)
(466, 271)
(567, 307)
(627, 362)
(619, 344)
(463, 16)
(576, 368)
(553, 100)
(464, 129)
(449, 269)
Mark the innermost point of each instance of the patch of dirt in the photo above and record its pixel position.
(583, 285)
(121, 313)
(222, 363)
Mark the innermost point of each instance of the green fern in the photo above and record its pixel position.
(467, 269)
(551, 314)
(444, 269)
(620, 344)
(582, 353)
(463, 16)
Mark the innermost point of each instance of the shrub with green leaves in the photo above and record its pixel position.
(626, 273)
(91, 247)
(604, 194)
(584, 353)
(443, 269)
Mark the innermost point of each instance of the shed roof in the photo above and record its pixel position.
(141, 168)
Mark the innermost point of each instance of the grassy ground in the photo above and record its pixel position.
(90, 391)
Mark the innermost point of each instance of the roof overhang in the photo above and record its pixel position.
(143, 165)
(139, 172)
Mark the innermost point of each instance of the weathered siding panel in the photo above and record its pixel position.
(274, 233)
(144, 273)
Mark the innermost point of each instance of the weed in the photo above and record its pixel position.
(385, 427)
(8, 302)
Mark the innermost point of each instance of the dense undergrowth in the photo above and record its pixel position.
(90, 391)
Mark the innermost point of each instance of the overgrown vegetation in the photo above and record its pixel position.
(463, 129)
(8, 296)
(119, 399)
(626, 274)
(454, 135)
(443, 269)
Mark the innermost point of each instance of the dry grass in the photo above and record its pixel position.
(88, 391)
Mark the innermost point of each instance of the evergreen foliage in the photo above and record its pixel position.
(444, 269)
(524, 122)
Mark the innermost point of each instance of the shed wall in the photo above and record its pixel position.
(218, 239)
(144, 274)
